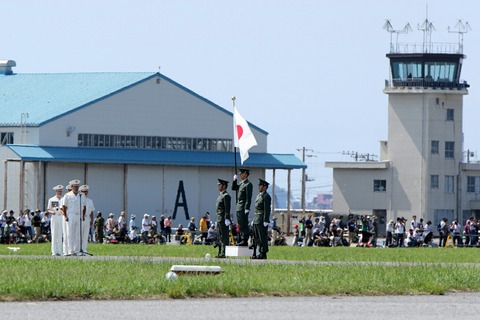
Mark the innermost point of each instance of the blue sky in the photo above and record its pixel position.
(311, 73)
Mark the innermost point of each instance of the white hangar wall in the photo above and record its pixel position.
(137, 189)
(106, 182)
(148, 108)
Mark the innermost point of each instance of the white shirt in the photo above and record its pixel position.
(132, 235)
(21, 221)
(122, 222)
(132, 224)
(145, 225)
(415, 224)
(399, 228)
(28, 221)
(427, 229)
(89, 208)
(74, 203)
(389, 227)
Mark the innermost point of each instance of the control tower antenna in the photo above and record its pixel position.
(388, 26)
(427, 28)
(461, 28)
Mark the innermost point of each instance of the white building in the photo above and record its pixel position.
(421, 169)
(144, 143)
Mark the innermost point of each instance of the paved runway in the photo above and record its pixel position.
(451, 306)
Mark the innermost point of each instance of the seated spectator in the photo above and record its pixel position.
(411, 241)
(6, 232)
(179, 233)
(336, 235)
(159, 238)
(427, 233)
(419, 237)
(10, 232)
(110, 224)
(212, 235)
(133, 234)
(120, 234)
(320, 239)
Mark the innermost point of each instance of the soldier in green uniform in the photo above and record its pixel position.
(99, 224)
(261, 219)
(223, 216)
(244, 199)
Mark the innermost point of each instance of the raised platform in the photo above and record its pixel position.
(234, 251)
(184, 269)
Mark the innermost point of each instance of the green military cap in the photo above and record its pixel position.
(243, 170)
(224, 182)
(262, 182)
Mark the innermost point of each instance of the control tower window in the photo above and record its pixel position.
(407, 70)
(441, 71)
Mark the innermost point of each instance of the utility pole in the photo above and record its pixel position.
(304, 180)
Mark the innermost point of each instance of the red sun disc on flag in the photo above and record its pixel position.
(239, 132)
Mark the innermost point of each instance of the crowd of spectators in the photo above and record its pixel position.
(363, 232)
(29, 226)
(34, 227)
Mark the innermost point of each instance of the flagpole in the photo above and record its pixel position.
(234, 148)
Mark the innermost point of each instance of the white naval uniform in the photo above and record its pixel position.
(56, 224)
(90, 208)
(75, 204)
(64, 227)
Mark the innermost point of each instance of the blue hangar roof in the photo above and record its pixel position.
(155, 157)
(48, 96)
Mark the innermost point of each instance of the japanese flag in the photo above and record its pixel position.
(243, 136)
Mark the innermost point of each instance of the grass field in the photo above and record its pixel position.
(34, 275)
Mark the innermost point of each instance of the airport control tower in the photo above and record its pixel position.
(425, 117)
(421, 170)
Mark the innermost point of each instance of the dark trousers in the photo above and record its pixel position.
(168, 234)
(389, 239)
(428, 238)
(242, 220)
(203, 237)
(400, 239)
(457, 240)
(473, 240)
(443, 240)
(222, 238)
(260, 233)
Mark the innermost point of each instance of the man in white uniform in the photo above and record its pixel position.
(56, 220)
(74, 213)
(64, 223)
(88, 221)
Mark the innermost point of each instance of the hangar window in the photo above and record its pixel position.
(153, 142)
